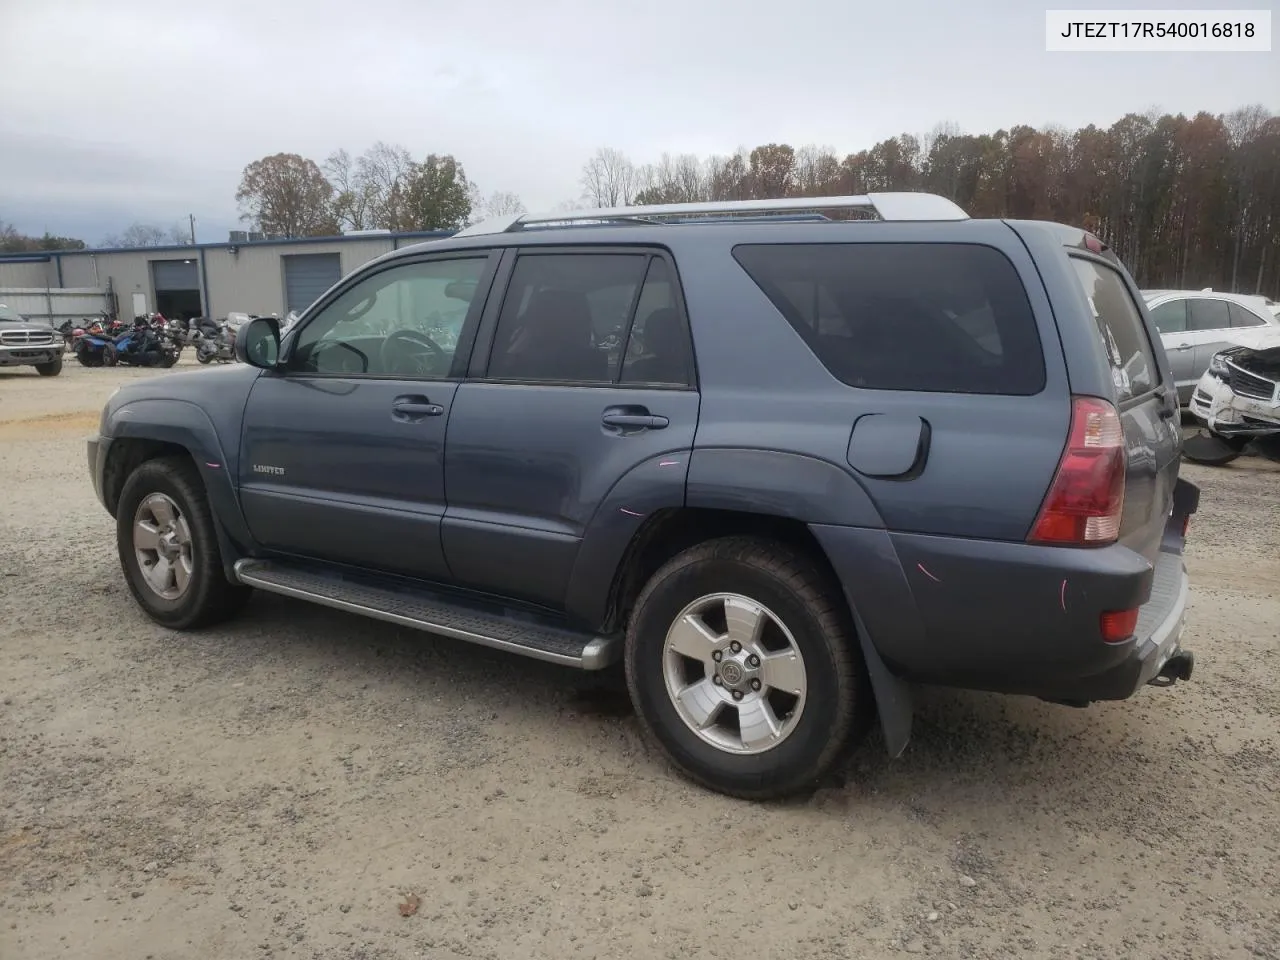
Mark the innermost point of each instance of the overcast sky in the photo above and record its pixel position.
(113, 111)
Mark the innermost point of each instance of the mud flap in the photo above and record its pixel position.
(893, 696)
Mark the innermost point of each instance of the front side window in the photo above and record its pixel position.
(1208, 315)
(565, 317)
(1120, 328)
(406, 321)
(1171, 317)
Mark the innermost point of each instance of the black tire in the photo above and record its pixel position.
(110, 355)
(209, 598)
(88, 358)
(203, 357)
(1212, 449)
(838, 703)
(50, 369)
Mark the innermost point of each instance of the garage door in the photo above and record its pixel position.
(175, 275)
(307, 275)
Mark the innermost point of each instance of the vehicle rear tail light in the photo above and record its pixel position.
(1086, 499)
(1118, 625)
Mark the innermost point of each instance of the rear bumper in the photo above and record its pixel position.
(1013, 617)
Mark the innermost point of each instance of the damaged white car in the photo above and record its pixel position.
(1238, 401)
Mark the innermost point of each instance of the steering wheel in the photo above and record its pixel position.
(391, 361)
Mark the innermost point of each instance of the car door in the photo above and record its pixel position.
(583, 373)
(1209, 323)
(1170, 318)
(343, 448)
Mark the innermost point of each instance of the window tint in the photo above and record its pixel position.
(406, 321)
(1171, 317)
(1240, 317)
(1208, 315)
(565, 316)
(906, 316)
(658, 347)
(1120, 327)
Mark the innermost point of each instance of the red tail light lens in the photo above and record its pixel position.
(1086, 499)
(1118, 625)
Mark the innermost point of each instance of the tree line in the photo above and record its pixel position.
(1186, 202)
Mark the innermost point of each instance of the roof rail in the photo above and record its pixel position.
(888, 206)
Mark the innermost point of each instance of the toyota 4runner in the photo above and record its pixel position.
(780, 465)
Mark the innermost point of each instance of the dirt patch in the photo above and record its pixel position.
(282, 786)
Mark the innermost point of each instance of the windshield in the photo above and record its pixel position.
(8, 313)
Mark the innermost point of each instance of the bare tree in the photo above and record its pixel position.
(609, 178)
(141, 235)
(352, 201)
(502, 203)
(384, 172)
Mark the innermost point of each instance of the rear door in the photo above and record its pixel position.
(1171, 320)
(587, 376)
(1209, 323)
(1147, 403)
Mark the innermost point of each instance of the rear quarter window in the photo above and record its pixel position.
(939, 317)
(1120, 328)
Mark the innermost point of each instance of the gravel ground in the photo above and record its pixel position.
(294, 784)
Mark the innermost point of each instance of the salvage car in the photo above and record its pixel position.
(780, 471)
(29, 343)
(1238, 402)
(1196, 324)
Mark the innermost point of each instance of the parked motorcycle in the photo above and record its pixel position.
(148, 344)
(90, 342)
(214, 340)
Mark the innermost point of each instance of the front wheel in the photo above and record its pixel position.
(168, 547)
(110, 356)
(742, 663)
(50, 369)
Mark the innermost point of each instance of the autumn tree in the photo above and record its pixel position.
(14, 241)
(437, 195)
(287, 195)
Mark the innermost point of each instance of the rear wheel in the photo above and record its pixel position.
(742, 664)
(50, 369)
(110, 355)
(168, 547)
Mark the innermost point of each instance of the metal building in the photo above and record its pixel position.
(204, 279)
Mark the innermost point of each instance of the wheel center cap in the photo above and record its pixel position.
(731, 672)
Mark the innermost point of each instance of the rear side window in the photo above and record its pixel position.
(1120, 327)
(951, 318)
(1171, 317)
(1208, 315)
(1240, 317)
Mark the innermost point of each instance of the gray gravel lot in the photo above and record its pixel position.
(282, 786)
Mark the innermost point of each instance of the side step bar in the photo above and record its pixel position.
(490, 625)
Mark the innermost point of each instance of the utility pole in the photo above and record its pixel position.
(192, 217)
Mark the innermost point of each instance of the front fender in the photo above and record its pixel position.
(185, 424)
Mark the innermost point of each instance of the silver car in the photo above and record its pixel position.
(1196, 324)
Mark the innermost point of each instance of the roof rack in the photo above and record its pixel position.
(888, 206)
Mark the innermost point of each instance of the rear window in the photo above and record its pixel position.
(943, 317)
(1120, 327)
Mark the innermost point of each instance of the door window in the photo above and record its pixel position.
(658, 346)
(406, 321)
(565, 317)
(1171, 317)
(1240, 317)
(1208, 315)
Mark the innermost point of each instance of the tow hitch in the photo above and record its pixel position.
(1177, 667)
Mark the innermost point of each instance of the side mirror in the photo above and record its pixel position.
(258, 343)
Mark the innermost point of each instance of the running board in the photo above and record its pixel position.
(487, 624)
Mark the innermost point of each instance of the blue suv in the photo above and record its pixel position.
(782, 459)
